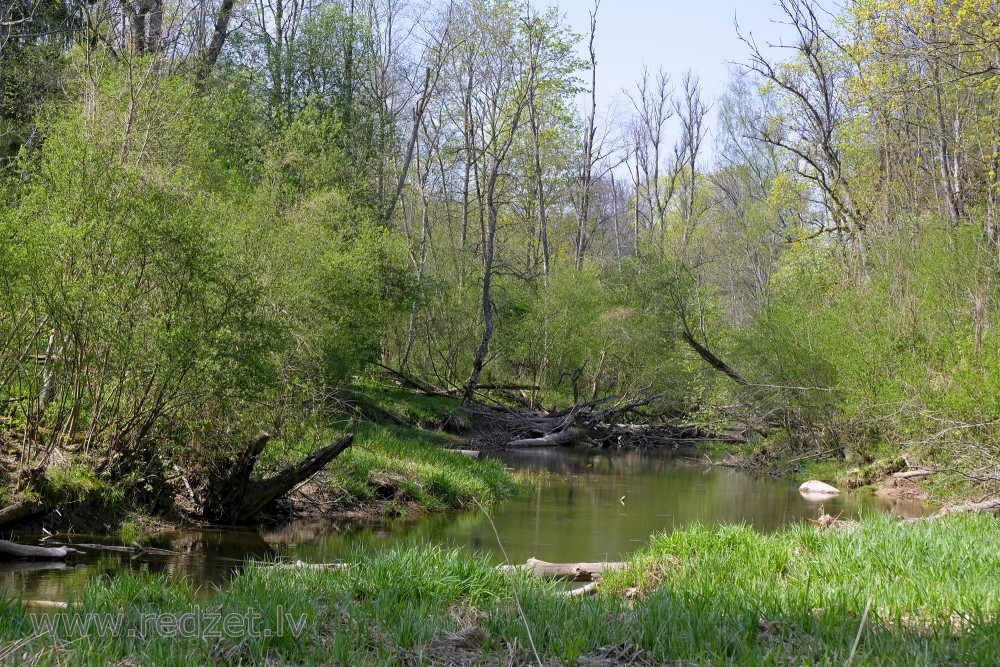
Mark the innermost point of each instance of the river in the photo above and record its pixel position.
(583, 506)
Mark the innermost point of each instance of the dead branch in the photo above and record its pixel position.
(14, 550)
(605, 422)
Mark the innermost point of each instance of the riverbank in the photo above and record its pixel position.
(404, 462)
(894, 474)
(878, 591)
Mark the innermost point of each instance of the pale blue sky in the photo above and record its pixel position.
(698, 34)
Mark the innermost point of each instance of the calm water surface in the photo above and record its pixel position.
(584, 506)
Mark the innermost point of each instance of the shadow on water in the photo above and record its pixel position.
(583, 506)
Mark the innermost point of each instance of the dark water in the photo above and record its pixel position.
(585, 506)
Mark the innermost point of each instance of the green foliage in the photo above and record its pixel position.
(171, 280)
(891, 357)
(141, 281)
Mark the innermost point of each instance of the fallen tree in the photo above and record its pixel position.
(606, 422)
(234, 498)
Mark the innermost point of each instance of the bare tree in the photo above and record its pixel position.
(589, 135)
(691, 110)
(814, 116)
(653, 108)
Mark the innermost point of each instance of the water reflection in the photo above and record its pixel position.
(583, 506)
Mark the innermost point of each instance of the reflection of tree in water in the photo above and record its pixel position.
(590, 461)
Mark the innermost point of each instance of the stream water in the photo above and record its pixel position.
(584, 506)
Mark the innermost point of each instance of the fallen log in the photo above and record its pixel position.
(302, 565)
(605, 422)
(14, 550)
(565, 571)
(916, 475)
(46, 604)
(470, 453)
(568, 437)
(985, 506)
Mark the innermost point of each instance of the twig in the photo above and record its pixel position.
(513, 588)
(857, 639)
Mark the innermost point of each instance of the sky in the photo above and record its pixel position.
(675, 34)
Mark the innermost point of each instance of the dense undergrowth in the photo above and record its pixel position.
(697, 595)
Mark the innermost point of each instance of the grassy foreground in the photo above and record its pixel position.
(695, 596)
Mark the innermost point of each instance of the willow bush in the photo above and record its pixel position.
(164, 294)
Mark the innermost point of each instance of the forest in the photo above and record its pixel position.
(219, 217)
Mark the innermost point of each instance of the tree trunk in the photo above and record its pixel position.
(273, 488)
(219, 36)
(484, 346)
(712, 360)
(234, 499)
(21, 510)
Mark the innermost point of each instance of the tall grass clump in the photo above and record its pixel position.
(410, 466)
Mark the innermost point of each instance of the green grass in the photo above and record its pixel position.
(399, 463)
(405, 407)
(701, 596)
(411, 466)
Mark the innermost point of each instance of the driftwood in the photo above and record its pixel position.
(589, 589)
(234, 498)
(591, 573)
(13, 550)
(46, 604)
(985, 506)
(470, 453)
(302, 565)
(565, 571)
